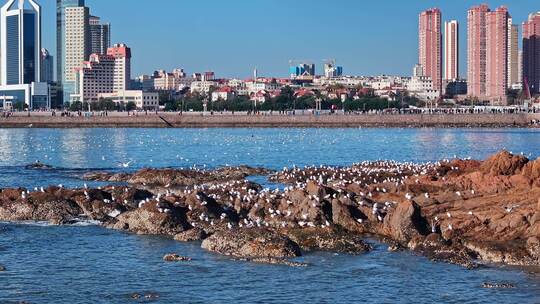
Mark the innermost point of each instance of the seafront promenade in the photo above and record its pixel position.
(242, 120)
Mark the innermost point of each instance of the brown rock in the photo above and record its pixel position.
(328, 239)
(503, 163)
(172, 257)
(191, 235)
(405, 222)
(147, 220)
(251, 243)
(532, 170)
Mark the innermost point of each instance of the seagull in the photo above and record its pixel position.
(125, 165)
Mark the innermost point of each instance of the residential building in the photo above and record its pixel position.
(100, 35)
(20, 56)
(476, 50)
(95, 76)
(47, 66)
(488, 50)
(203, 87)
(61, 55)
(451, 50)
(531, 53)
(223, 94)
(430, 45)
(497, 55)
(420, 86)
(256, 86)
(164, 81)
(143, 100)
(122, 66)
(513, 54)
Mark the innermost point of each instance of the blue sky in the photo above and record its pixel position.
(232, 37)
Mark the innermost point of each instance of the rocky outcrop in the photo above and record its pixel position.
(251, 243)
(503, 163)
(154, 219)
(19, 205)
(453, 211)
(177, 177)
(173, 257)
(327, 239)
(273, 261)
(191, 235)
(405, 222)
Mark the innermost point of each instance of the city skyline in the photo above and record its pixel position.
(218, 43)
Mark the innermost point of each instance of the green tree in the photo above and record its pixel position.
(131, 106)
(19, 106)
(76, 106)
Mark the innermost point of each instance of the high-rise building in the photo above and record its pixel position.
(513, 54)
(20, 38)
(430, 45)
(100, 35)
(21, 43)
(487, 51)
(476, 50)
(77, 44)
(497, 55)
(122, 66)
(331, 70)
(47, 66)
(531, 53)
(61, 57)
(302, 70)
(451, 50)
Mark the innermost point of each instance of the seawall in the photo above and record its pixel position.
(191, 120)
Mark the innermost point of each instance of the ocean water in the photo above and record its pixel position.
(89, 264)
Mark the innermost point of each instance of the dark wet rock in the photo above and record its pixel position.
(251, 243)
(38, 166)
(436, 248)
(2, 268)
(36, 206)
(273, 261)
(145, 296)
(178, 177)
(153, 218)
(107, 177)
(498, 285)
(191, 235)
(328, 239)
(173, 257)
(346, 215)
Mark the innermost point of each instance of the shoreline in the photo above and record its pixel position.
(197, 120)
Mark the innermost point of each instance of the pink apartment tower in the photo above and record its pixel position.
(451, 50)
(430, 46)
(487, 53)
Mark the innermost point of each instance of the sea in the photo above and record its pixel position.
(85, 263)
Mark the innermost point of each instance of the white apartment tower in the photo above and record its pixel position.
(513, 54)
